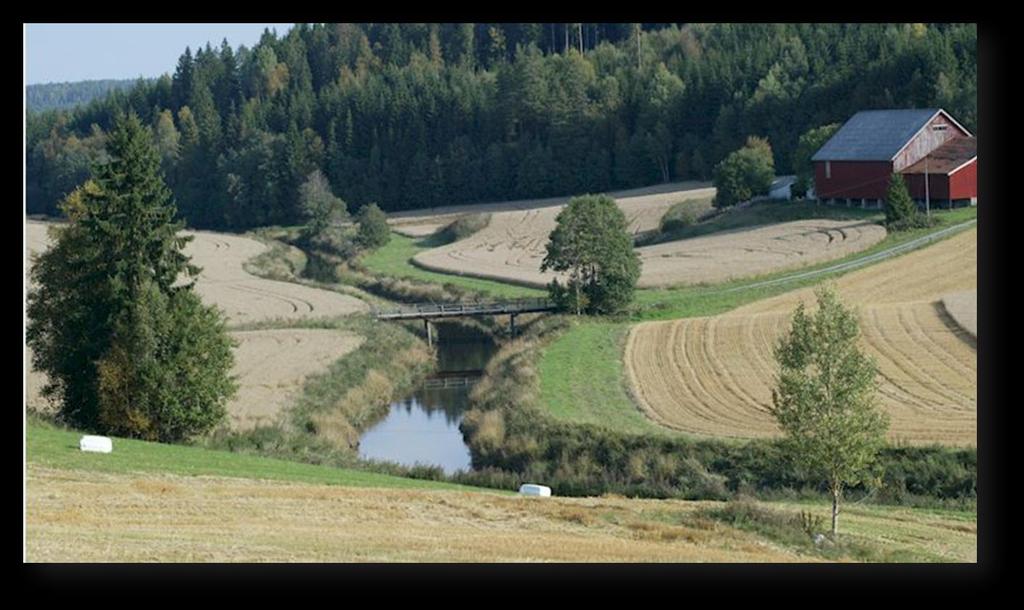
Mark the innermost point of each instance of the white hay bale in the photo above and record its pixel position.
(99, 444)
(529, 489)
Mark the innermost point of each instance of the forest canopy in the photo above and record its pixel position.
(418, 115)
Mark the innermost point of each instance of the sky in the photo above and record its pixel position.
(67, 52)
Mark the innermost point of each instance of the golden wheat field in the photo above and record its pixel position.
(270, 364)
(512, 247)
(713, 375)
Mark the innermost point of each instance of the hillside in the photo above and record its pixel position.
(65, 96)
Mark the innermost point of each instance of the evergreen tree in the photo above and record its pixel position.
(128, 348)
(900, 210)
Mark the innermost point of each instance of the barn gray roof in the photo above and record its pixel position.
(874, 135)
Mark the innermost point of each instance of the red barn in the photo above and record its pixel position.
(854, 166)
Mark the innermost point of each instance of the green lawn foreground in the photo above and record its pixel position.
(582, 377)
(394, 260)
(57, 448)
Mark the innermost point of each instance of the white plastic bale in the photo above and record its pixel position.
(98, 444)
(530, 489)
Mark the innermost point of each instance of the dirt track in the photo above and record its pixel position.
(271, 364)
(512, 247)
(713, 376)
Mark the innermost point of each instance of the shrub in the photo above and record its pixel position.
(373, 227)
(463, 227)
(679, 216)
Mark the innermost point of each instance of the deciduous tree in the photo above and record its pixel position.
(592, 242)
(824, 399)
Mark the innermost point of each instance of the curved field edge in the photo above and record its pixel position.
(566, 362)
(395, 260)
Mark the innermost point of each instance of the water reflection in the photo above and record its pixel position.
(424, 428)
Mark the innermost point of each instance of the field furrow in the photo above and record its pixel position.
(718, 383)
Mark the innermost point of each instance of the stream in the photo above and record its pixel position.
(424, 427)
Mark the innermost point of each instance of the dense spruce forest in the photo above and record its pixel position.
(63, 96)
(419, 115)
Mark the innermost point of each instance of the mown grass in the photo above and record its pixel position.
(394, 260)
(58, 448)
(582, 380)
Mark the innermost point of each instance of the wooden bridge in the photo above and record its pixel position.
(434, 311)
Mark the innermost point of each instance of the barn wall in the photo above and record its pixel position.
(964, 182)
(852, 179)
(926, 141)
(938, 186)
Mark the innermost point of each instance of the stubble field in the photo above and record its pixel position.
(270, 364)
(512, 247)
(713, 375)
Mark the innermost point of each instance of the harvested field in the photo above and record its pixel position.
(512, 247)
(963, 308)
(713, 375)
(243, 297)
(247, 298)
(271, 364)
(751, 252)
(84, 516)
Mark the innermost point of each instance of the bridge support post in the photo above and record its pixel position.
(512, 325)
(429, 331)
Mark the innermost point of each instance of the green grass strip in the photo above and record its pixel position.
(57, 448)
(582, 380)
(394, 260)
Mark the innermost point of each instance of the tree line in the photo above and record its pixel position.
(50, 96)
(417, 115)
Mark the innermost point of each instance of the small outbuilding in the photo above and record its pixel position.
(854, 166)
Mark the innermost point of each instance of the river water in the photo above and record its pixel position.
(424, 427)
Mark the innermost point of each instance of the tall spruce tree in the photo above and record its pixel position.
(128, 347)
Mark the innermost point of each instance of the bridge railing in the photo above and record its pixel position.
(466, 307)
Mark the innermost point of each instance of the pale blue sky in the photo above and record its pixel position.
(62, 52)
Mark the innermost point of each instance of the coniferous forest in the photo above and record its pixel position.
(418, 115)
